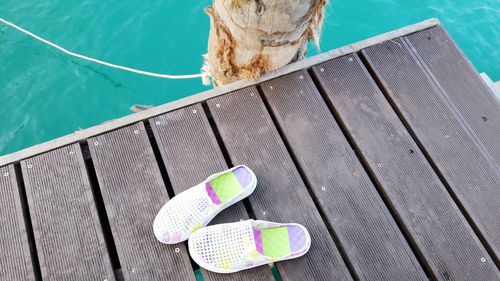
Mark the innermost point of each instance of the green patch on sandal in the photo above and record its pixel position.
(226, 186)
(275, 242)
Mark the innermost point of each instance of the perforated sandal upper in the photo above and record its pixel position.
(197, 206)
(232, 247)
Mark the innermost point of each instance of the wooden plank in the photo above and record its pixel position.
(133, 192)
(472, 178)
(68, 235)
(191, 153)
(348, 198)
(251, 139)
(15, 258)
(434, 223)
(460, 84)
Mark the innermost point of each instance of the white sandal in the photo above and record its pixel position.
(197, 206)
(232, 247)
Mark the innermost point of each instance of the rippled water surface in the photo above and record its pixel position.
(45, 94)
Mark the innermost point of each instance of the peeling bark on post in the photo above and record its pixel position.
(251, 37)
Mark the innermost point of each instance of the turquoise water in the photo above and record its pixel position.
(45, 94)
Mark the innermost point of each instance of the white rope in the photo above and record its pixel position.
(165, 76)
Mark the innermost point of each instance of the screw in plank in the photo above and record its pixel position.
(177, 250)
(30, 166)
(96, 143)
(351, 59)
(379, 165)
(132, 269)
(263, 213)
(322, 69)
(252, 94)
(301, 77)
(217, 105)
(271, 87)
(195, 111)
(71, 153)
(483, 259)
(136, 132)
(6, 174)
(158, 123)
(323, 188)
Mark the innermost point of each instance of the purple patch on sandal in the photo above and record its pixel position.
(176, 237)
(297, 238)
(243, 175)
(211, 193)
(165, 237)
(258, 240)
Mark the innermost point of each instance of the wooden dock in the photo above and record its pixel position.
(387, 150)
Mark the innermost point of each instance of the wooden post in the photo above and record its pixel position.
(250, 37)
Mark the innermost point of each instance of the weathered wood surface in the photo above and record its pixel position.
(191, 153)
(133, 192)
(444, 239)
(344, 191)
(472, 177)
(251, 139)
(461, 85)
(423, 164)
(69, 241)
(15, 258)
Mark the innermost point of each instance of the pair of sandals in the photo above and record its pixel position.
(231, 247)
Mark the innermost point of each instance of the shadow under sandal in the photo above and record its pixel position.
(197, 206)
(232, 247)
